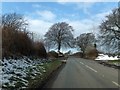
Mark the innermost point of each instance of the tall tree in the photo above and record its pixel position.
(60, 35)
(85, 40)
(110, 31)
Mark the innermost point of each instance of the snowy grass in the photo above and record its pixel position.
(109, 59)
(106, 57)
(18, 74)
(115, 62)
(48, 68)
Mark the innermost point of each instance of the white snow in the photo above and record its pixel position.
(18, 71)
(106, 57)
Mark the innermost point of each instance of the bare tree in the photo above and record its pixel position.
(14, 21)
(60, 35)
(48, 44)
(110, 31)
(85, 40)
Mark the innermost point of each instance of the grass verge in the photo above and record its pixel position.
(49, 67)
(114, 61)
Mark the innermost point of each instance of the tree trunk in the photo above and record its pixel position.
(59, 46)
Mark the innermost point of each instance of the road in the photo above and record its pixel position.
(82, 73)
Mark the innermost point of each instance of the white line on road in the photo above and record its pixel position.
(116, 83)
(82, 63)
(91, 68)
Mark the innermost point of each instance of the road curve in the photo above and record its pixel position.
(82, 73)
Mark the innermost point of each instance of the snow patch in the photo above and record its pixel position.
(17, 73)
(106, 57)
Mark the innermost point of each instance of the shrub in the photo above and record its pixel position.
(39, 50)
(52, 54)
(16, 40)
(91, 52)
(78, 54)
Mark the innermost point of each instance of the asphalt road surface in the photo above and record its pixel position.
(82, 73)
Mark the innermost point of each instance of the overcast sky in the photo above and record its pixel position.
(83, 16)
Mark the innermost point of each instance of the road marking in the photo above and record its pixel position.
(116, 83)
(91, 68)
(82, 63)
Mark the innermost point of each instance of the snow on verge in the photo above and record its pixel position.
(106, 57)
(17, 73)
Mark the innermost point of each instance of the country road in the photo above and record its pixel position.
(82, 73)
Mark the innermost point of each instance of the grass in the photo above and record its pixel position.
(49, 68)
(114, 61)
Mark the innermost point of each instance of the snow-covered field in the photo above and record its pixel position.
(109, 60)
(106, 57)
(17, 73)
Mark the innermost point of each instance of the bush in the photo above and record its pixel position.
(91, 53)
(78, 54)
(19, 43)
(52, 54)
(16, 39)
(39, 50)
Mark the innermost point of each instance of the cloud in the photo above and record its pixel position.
(79, 26)
(60, 1)
(42, 25)
(39, 26)
(46, 15)
(90, 24)
(63, 1)
(101, 16)
(85, 6)
(36, 6)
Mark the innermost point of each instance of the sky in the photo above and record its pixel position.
(84, 17)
